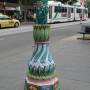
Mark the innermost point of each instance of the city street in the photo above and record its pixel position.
(72, 66)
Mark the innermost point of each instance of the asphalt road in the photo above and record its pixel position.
(16, 50)
(21, 40)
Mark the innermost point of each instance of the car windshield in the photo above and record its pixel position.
(3, 17)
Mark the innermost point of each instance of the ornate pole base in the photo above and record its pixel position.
(51, 84)
(41, 73)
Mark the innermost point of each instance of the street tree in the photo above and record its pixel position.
(88, 3)
(67, 1)
(28, 2)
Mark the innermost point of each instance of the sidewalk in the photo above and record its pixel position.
(72, 57)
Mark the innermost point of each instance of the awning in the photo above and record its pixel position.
(10, 8)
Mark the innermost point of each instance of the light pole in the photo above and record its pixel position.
(41, 74)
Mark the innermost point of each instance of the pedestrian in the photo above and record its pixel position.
(80, 18)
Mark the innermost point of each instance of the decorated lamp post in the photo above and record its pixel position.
(41, 73)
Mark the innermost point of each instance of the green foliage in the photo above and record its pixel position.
(67, 1)
(63, 1)
(88, 3)
(28, 2)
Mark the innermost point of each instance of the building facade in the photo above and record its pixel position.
(14, 8)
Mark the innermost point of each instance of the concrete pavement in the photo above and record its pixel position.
(73, 68)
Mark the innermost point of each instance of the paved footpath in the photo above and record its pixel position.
(73, 63)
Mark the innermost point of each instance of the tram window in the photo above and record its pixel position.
(50, 12)
(64, 9)
(57, 9)
(71, 10)
(79, 10)
(86, 11)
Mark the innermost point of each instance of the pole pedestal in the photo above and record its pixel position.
(41, 73)
(51, 84)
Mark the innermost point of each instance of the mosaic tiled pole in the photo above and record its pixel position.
(41, 73)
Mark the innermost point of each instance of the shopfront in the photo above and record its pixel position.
(14, 10)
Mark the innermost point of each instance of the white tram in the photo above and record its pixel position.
(59, 12)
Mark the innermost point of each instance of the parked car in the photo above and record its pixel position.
(6, 21)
